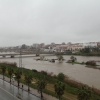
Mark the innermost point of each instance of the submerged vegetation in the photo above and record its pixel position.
(90, 64)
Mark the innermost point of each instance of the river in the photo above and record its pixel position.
(77, 72)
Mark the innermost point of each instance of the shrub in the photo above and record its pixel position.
(83, 62)
(43, 72)
(93, 63)
(61, 77)
(34, 70)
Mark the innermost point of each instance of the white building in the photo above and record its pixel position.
(90, 45)
(75, 47)
(61, 48)
(35, 45)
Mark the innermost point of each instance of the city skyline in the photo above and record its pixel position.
(54, 43)
(36, 21)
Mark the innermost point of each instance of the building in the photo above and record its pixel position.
(23, 46)
(98, 44)
(90, 45)
(36, 46)
(77, 47)
(42, 45)
(61, 48)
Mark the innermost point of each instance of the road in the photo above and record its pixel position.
(6, 92)
(4, 95)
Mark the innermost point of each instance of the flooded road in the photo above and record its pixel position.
(77, 72)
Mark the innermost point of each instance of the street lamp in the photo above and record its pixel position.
(13, 85)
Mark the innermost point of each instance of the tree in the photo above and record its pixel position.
(42, 57)
(10, 72)
(61, 77)
(59, 89)
(87, 50)
(60, 58)
(3, 70)
(85, 93)
(28, 80)
(74, 59)
(93, 63)
(41, 85)
(18, 74)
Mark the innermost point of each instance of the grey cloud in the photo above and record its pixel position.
(31, 21)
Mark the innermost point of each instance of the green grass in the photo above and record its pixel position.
(50, 79)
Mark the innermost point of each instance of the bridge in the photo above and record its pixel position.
(13, 55)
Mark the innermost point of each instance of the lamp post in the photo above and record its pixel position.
(13, 85)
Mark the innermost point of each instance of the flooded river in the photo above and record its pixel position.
(77, 72)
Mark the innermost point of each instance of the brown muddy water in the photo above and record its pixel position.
(77, 72)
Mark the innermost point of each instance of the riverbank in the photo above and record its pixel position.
(87, 54)
(95, 91)
(71, 90)
(36, 76)
(82, 54)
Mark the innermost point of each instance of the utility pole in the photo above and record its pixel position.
(20, 59)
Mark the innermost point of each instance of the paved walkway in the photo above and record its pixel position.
(32, 91)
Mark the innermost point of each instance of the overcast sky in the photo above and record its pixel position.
(46, 21)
